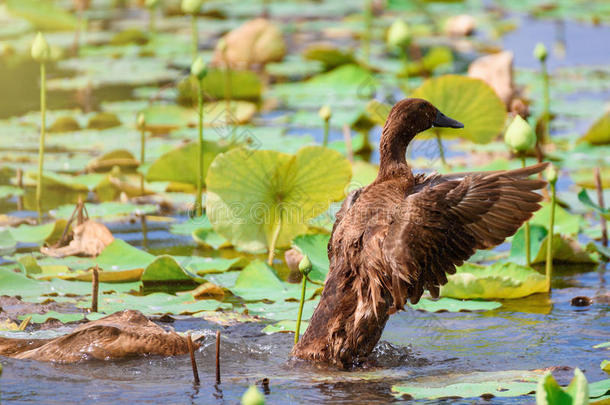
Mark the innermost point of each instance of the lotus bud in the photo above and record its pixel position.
(305, 265)
(520, 136)
(141, 121)
(253, 396)
(191, 6)
(399, 34)
(551, 174)
(199, 68)
(540, 52)
(41, 51)
(152, 3)
(325, 113)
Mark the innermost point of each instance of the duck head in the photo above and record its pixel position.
(414, 115)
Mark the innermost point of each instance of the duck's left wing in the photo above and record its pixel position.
(447, 219)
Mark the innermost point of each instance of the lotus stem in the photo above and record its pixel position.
(195, 36)
(326, 132)
(549, 245)
(189, 343)
(441, 151)
(600, 201)
(546, 109)
(368, 25)
(301, 304)
(95, 287)
(528, 250)
(199, 200)
(142, 156)
(43, 116)
(274, 238)
(228, 97)
(217, 357)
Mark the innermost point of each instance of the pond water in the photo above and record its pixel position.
(524, 334)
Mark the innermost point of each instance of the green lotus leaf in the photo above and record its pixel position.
(245, 85)
(7, 243)
(548, 392)
(258, 282)
(565, 250)
(83, 182)
(599, 133)
(282, 310)
(181, 165)
(497, 281)
(204, 265)
(584, 198)
(10, 191)
(250, 192)
(107, 210)
(454, 305)
(467, 390)
(44, 15)
(285, 327)
(37, 233)
(210, 238)
(61, 317)
(191, 225)
(314, 247)
(120, 255)
(565, 222)
(470, 101)
(329, 55)
(518, 253)
(166, 270)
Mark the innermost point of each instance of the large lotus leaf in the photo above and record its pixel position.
(120, 255)
(251, 192)
(43, 14)
(565, 223)
(155, 304)
(106, 210)
(166, 269)
(509, 383)
(364, 174)
(470, 101)
(181, 165)
(584, 198)
(314, 247)
(599, 133)
(453, 305)
(9, 191)
(565, 250)
(37, 233)
(61, 317)
(204, 265)
(497, 281)
(210, 238)
(518, 253)
(258, 282)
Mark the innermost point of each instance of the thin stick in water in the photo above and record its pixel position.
(600, 201)
(189, 342)
(217, 357)
(95, 287)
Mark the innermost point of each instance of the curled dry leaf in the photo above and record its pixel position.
(89, 239)
(123, 334)
(497, 71)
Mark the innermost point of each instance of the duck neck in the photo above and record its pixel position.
(392, 151)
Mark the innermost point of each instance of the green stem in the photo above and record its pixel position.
(546, 111)
(142, 157)
(227, 84)
(276, 234)
(199, 202)
(440, 149)
(43, 113)
(549, 245)
(326, 132)
(528, 250)
(195, 37)
(297, 331)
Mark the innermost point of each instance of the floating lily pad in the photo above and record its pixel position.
(166, 269)
(282, 310)
(210, 238)
(245, 85)
(258, 281)
(120, 255)
(61, 317)
(496, 281)
(120, 157)
(181, 165)
(107, 210)
(37, 233)
(251, 192)
(285, 327)
(103, 120)
(44, 15)
(454, 305)
(329, 55)
(478, 107)
(10, 191)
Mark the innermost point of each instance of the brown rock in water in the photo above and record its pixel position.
(497, 71)
(256, 42)
(89, 239)
(123, 334)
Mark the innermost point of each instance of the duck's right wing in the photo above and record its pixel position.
(442, 225)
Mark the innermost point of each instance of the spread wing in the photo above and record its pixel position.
(447, 218)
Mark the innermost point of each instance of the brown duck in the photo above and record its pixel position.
(404, 233)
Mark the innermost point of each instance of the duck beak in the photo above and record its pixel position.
(445, 122)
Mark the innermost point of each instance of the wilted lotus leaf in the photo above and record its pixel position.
(89, 239)
(64, 124)
(120, 157)
(599, 133)
(181, 165)
(103, 120)
(251, 193)
(470, 101)
(497, 281)
(256, 42)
